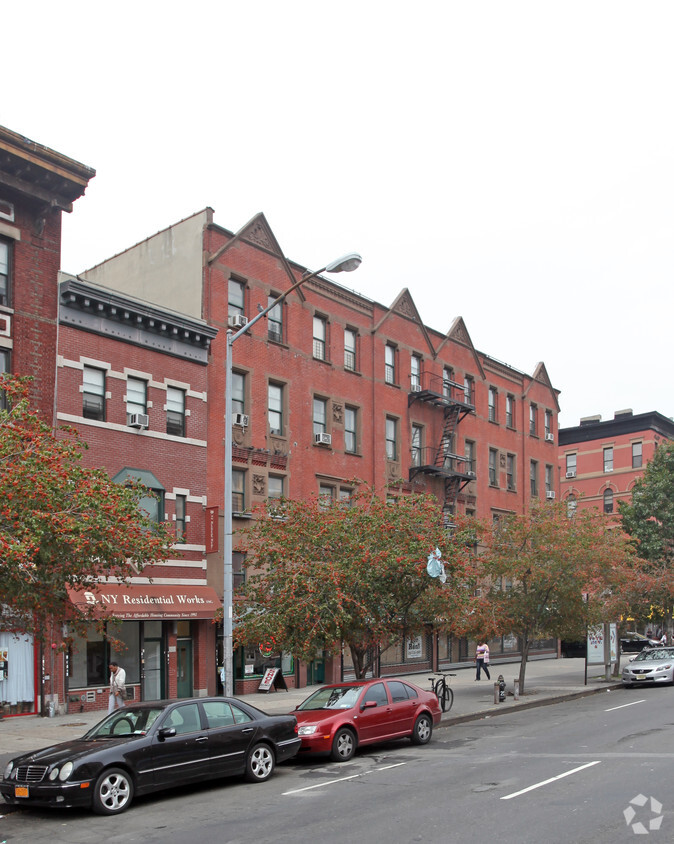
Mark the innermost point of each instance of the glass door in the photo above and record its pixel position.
(185, 678)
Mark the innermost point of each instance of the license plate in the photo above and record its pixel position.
(21, 791)
(640, 678)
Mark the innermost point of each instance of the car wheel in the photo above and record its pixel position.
(423, 729)
(260, 763)
(113, 792)
(343, 745)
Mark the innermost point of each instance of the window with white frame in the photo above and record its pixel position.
(5, 273)
(238, 392)
(275, 408)
(350, 349)
(238, 491)
(608, 500)
(637, 455)
(389, 364)
(415, 373)
(547, 421)
(175, 411)
(275, 319)
(571, 460)
(351, 429)
(492, 399)
(236, 300)
(136, 397)
(93, 393)
(608, 459)
(320, 416)
(275, 486)
(320, 336)
(510, 411)
(391, 438)
(417, 432)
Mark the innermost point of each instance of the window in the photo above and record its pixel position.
(4, 367)
(493, 467)
(492, 405)
(468, 389)
(548, 479)
(275, 486)
(416, 445)
(350, 430)
(238, 491)
(547, 421)
(389, 364)
(350, 349)
(93, 393)
(510, 411)
(533, 412)
(326, 494)
(608, 459)
(608, 500)
(447, 379)
(136, 397)
(533, 478)
(469, 454)
(5, 270)
(345, 496)
(275, 320)
(275, 408)
(153, 505)
(175, 411)
(415, 376)
(238, 392)
(391, 438)
(571, 465)
(235, 305)
(571, 505)
(181, 516)
(510, 471)
(637, 455)
(320, 334)
(320, 416)
(238, 572)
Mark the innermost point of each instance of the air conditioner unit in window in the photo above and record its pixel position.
(571, 473)
(549, 438)
(550, 493)
(139, 420)
(237, 321)
(323, 439)
(240, 419)
(471, 474)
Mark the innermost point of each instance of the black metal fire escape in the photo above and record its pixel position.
(442, 461)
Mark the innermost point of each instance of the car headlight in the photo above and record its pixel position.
(9, 767)
(308, 730)
(53, 774)
(66, 771)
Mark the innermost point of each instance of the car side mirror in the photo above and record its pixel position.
(369, 704)
(166, 732)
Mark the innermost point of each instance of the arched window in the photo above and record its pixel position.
(571, 505)
(608, 500)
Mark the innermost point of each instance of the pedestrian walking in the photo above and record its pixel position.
(117, 687)
(482, 660)
(663, 639)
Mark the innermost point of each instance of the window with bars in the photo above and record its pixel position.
(320, 336)
(175, 411)
(93, 393)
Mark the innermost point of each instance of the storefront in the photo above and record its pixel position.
(17, 674)
(162, 635)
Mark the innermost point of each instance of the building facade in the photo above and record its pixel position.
(37, 185)
(331, 387)
(599, 461)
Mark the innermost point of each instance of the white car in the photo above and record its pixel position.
(650, 666)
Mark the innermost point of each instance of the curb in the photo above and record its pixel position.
(530, 704)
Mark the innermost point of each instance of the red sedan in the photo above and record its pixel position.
(336, 719)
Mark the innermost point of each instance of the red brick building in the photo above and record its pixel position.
(333, 386)
(132, 379)
(599, 461)
(37, 185)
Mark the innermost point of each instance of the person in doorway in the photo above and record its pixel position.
(482, 660)
(117, 687)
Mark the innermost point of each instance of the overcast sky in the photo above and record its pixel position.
(508, 162)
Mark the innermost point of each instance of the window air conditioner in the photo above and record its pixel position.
(550, 493)
(139, 420)
(237, 321)
(240, 419)
(470, 474)
(323, 439)
(571, 473)
(549, 438)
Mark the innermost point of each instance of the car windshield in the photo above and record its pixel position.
(125, 722)
(337, 697)
(658, 655)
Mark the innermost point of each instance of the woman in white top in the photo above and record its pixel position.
(482, 660)
(117, 687)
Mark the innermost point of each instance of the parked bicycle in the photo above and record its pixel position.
(442, 690)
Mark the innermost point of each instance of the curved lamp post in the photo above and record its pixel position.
(347, 263)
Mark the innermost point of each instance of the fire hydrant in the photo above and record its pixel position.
(501, 688)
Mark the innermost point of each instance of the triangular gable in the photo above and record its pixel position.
(404, 306)
(541, 376)
(257, 232)
(458, 333)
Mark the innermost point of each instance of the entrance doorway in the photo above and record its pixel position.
(316, 672)
(185, 668)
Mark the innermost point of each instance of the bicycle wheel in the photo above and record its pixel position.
(447, 699)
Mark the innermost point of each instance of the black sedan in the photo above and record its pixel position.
(631, 643)
(151, 746)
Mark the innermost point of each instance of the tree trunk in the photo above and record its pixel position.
(525, 656)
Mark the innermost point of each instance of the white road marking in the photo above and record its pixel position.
(342, 779)
(552, 779)
(622, 706)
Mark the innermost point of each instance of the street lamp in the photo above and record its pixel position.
(347, 263)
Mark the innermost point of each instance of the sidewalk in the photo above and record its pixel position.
(547, 681)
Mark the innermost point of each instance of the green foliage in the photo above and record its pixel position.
(61, 525)
(328, 572)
